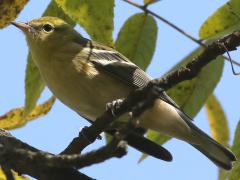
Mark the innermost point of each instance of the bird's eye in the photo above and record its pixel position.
(47, 27)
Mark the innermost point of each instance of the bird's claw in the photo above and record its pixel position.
(113, 106)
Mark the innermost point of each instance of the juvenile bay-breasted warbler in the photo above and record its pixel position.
(86, 75)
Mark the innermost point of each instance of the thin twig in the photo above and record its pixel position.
(199, 42)
(233, 70)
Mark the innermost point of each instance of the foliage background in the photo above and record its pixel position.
(53, 132)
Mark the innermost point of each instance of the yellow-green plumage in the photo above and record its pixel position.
(62, 52)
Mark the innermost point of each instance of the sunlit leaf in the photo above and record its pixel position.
(15, 119)
(218, 124)
(192, 94)
(137, 39)
(9, 10)
(95, 16)
(16, 176)
(223, 21)
(217, 120)
(34, 84)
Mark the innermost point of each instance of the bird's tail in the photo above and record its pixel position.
(217, 153)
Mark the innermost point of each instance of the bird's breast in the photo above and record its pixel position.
(80, 86)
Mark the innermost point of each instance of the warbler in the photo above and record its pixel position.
(86, 75)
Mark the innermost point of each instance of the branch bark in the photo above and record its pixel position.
(10, 158)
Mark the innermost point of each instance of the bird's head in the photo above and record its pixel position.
(46, 32)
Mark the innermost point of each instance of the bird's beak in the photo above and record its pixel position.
(23, 26)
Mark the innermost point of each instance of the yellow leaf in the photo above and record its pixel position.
(16, 176)
(15, 119)
(223, 21)
(217, 120)
(9, 10)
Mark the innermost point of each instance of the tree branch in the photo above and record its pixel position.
(115, 148)
(192, 69)
(10, 158)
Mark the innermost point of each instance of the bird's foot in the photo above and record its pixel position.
(113, 106)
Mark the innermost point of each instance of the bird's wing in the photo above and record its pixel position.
(114, 63)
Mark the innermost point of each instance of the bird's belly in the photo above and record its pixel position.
(163, 118)
(86, 95)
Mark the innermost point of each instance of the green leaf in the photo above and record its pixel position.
(221, 174)
(147, 2)
(222, 22)
(9, 10)
(235, 172)
(137, 39)
(192, 94)
(54, 10)
(95, 16)
(34, 84)
(236, 142)
(217, 120)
